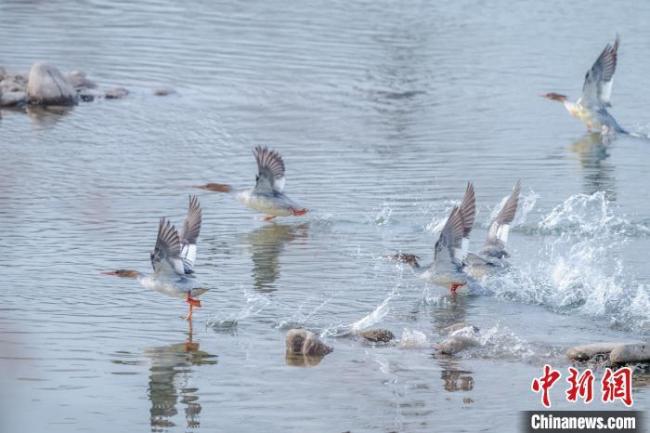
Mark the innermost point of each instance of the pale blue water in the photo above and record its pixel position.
(382, 110)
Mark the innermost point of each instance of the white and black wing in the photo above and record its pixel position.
(270, 170)
(449, 252)
(500, 226)
(597, 89)
(166, 256)
(190, 234)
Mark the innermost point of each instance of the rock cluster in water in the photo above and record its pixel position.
(45, 85)
(613, 353)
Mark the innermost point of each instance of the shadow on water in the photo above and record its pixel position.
(170, 376)
(592, 152)
(267, 243)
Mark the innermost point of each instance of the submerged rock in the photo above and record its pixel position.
(164, 91)
(303, 342)
(116, 93)
(630, 353)
(585, 352)
(377, 335)
(455, 344)
(461, 336)
(47, 86)
(79, 81)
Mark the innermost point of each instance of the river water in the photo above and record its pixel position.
(382, 111)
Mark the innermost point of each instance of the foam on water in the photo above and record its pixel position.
(413, 339)
(589, 215)
(581, 271)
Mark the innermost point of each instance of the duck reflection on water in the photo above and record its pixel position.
(592, 152)
(170, 382)
(266, 244)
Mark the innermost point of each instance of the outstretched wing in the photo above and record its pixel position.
(468, 212)
(166, 256)
(597, 89)
(449, 252)
(190, 234)
(500, 227)
(270, 170)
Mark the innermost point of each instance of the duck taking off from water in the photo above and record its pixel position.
(451, 248)
(592, 106)
(173, 260)
(493, 253)
(267, 196)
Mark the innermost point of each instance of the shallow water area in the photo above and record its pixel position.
(382, 111)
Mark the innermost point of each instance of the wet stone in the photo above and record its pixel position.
(377, 335)
(586, 352)
(47, 86)
(630, 353)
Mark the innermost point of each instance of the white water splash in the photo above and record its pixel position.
(581, 271)
(413, 339)
(373, 317)
(589, 214)
(255, 303)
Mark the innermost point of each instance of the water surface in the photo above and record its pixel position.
(382, 110)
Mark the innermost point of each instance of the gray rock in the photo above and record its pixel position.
(3, 73)
(79, 81)
(116, 93)
(585, 352)
(455, 344)
(12, 99)
(10, 84)
(630, 353)
(377, 335)
(47, 86)
(303, 342)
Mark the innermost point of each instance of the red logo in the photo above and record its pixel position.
(615, 385)
(545, 383)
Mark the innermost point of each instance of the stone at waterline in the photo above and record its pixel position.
(377, 335)
(455, 344)
(47, 86)
(164, 91)
(630, 353)
(116, 93)
(303, 342)
(12, 99)
(585, 352)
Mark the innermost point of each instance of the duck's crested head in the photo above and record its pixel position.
(554, 96)
(123, 273)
